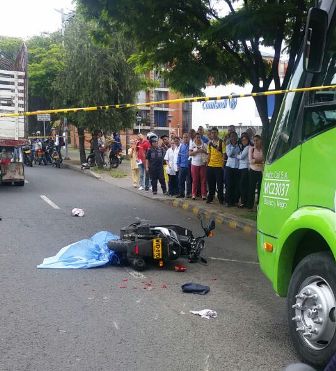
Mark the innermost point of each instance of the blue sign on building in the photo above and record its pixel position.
(220, 104)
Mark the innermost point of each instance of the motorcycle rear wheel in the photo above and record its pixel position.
(139, 264)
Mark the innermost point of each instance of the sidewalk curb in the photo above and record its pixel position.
(229, 220)
(86, 172)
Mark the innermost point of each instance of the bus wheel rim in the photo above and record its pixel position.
(315, 312)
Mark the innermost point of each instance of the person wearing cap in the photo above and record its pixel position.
(154, 165)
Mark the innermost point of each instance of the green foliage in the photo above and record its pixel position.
(46, 61)
(10, 47)
(95, 74)
(196, 44)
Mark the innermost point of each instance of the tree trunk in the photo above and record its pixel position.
(98, 158)
(81, 140)
(261, 103)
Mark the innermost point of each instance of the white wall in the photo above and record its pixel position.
(244, 112)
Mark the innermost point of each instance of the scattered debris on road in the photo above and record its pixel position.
(195, 288)
(77, 212)
(180, 268)
(205, 313)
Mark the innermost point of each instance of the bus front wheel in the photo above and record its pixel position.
(311, 308)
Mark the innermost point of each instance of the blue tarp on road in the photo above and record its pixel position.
(89, 253)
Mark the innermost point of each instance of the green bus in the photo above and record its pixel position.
(297, 208)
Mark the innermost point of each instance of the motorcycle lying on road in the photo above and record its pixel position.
(141, 243)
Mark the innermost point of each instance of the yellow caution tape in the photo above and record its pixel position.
(167, 101)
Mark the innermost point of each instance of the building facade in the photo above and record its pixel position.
(241, 112)
(13, 94)
(164, 118)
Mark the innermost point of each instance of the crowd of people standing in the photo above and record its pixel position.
(200, 165)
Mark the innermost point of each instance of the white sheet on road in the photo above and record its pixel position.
(90, 253)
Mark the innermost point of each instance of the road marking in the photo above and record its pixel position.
(26, 181)
(234, 260)
(207, 363)
(115, 325)
(49, 202)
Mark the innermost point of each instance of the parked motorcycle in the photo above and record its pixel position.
(56, 158)
(141, 243)
(27, 156)
(115, 159)
(49, 149)
(40, 157)
(91, 159)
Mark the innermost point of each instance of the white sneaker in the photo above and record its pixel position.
(150, 188)
(140, 188)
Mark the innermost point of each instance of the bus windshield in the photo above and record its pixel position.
(285, 136)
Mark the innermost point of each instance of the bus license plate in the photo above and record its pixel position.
(157, 248)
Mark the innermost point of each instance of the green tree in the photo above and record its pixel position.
(197, 43)
(10, 47)
(95, 74)
(45, 63)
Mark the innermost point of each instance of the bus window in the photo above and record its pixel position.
(283, 138)
(328, 73)
(318, 119)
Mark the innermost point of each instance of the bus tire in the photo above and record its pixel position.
(311, 308)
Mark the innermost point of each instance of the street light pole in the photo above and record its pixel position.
(66, 138)
(138, 120)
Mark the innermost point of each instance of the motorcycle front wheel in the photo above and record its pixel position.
(114, 162)
(198, 251)
(90, 160)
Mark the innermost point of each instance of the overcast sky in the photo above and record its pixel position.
(25, 18)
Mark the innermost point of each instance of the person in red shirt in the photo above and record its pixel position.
(142, 147)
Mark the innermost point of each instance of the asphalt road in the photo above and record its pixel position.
(104, 319)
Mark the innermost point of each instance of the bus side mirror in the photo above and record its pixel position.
(314, 40)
